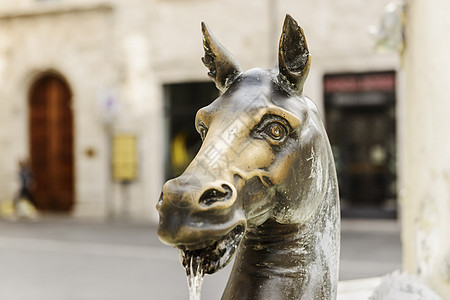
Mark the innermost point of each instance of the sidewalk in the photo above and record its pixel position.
(65, 259)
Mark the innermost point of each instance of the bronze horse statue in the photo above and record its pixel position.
(263, 182)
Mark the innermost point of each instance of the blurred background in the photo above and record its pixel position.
(98, 98)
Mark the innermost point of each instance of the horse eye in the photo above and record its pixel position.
(276, 131)
(203, 131)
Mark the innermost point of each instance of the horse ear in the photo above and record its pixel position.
(223, 68)
(293, 56)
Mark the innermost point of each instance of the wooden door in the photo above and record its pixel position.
(51, 144)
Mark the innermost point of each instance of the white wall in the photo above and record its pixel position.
(425, 200)
(337, 34)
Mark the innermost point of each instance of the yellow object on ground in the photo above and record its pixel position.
(7, 210)
(24, 210)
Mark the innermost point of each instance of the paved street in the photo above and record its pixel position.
(65, 259)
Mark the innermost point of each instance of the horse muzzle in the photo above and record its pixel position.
(202, 220)
(195, 215)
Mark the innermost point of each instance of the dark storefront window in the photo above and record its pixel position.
(182, 102)
(360, 113)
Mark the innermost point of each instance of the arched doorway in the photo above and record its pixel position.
(51, 143)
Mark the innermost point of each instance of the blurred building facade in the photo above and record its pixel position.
(81, 81)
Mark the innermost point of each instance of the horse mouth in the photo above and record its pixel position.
(209, 259)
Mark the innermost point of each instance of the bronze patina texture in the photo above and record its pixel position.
(263, 182)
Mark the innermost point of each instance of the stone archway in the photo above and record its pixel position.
(51, 142)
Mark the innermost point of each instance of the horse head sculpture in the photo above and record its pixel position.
(263, 183)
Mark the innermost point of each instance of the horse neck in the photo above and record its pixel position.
(289, 261)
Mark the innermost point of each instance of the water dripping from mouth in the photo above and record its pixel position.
(195, 276)
(209, 260)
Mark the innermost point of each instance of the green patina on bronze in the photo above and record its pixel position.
(263, 184)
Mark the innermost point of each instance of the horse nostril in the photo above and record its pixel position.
(213, 195)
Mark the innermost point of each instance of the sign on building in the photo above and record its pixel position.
(360, 89)
(124, 157)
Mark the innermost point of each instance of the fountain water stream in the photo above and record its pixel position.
(194, 273)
